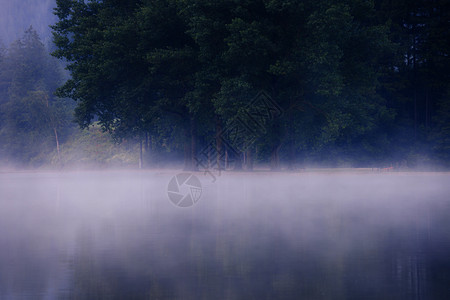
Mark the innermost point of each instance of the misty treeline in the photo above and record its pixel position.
(360, 83)
(33, 122)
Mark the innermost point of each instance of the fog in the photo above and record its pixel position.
(277, 87)
(314, 235)
(17, 16)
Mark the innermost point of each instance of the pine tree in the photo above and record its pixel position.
(32, 116)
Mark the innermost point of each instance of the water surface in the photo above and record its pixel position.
(116, 235)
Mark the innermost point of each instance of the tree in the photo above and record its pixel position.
(419, 75)
(31, 114)
(348, 74)
(129, 63)
(317, 56)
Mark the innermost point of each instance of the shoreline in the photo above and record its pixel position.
(255, 172)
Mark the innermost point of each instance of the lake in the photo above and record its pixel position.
(118, 235)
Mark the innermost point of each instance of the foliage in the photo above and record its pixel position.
(33, 120)
(94, 148)
(360, 82)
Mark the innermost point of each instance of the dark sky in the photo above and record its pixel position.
(17, 15)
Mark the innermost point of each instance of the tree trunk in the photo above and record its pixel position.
(54, 129)
(426, 109)
(249, 164)
(145, 142)
(291, 138)
(226, 159)
(414, 58)
(209, 160)
(57, 144)
(275, 158)
(194, 166)
(190, 147)
(141, 162)
(146, 148)
(291, 156)
(238, 163)
(187, 151)
(415, 114)
(218, 142)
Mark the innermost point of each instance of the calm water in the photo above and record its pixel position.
(99, 235)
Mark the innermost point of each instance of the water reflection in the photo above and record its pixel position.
(116, 236)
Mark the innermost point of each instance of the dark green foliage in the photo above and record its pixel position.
(360, 82)
(419, 75)
(441, 131)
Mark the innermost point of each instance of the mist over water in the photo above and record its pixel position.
(116, 235)
(217, 85)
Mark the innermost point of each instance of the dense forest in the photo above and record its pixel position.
(36, 127)
(343, 83)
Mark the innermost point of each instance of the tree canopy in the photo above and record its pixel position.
(33, 120)
(352, 86)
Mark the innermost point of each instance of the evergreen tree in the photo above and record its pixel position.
(32, 116)
(351, 75)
